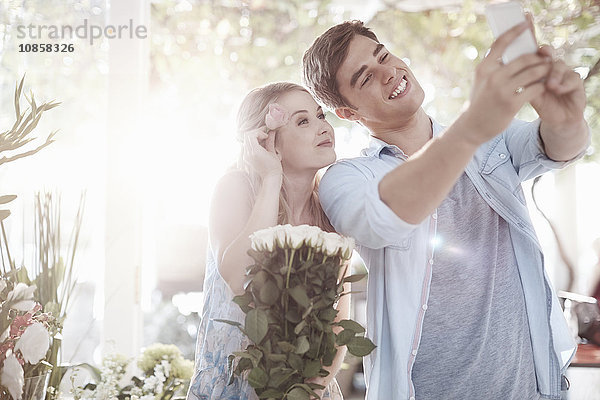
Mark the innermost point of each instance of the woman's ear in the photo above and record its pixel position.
(276, 145)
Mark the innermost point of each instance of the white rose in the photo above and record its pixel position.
(280, 235)
(347, 247)
(269, 238)
(313, 238)
(256, 242)
(262, 239)
(12, 376)
(310, 234)
(331, 243)
(23, 305)
(34, 343)
(22, 297)
(296, 236)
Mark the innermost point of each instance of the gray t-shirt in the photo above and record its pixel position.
(475, 342)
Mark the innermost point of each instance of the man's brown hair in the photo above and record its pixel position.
(324, 58)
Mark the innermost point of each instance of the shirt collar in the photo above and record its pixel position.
(376, 146)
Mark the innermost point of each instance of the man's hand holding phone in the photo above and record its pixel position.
(561, 103)
(502, 17)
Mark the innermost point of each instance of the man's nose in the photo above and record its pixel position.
(388, 73)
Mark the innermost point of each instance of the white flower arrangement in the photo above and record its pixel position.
(294, 237)
(164, 373)
(24, 338)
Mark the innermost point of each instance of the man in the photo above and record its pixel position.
(459, 305)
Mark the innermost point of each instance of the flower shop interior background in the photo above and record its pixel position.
(146, 128)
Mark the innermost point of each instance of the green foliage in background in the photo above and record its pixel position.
(223, 49)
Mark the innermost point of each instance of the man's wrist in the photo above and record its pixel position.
(565, 129)
(464, 132)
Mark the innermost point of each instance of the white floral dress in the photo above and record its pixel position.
(216, 340)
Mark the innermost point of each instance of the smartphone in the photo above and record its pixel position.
(503, 16)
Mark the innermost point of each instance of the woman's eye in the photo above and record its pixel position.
(366, 80)
(303, 121)
(321, 116)
(384, 57)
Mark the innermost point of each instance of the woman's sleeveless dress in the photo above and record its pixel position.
(216, 340)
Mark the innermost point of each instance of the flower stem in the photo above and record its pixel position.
(287, 279)
(287, 283)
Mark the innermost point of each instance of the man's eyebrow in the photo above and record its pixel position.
(356, 75)
(362, 69)
(377, 49)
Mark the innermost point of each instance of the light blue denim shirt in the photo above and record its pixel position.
(399, 255)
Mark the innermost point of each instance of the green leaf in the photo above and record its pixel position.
(307, 311)
(354, 278)
(260, 279)
(279, 281)
(280, 375)
(344, 337)
(243, 365)
(269, 293)
(302, 345)
(360, 346)
(256, 325)
(328, 314)
(271, 393)
(298, 293)
(256, 355)
(258, 378)
(230, 369)
(23, 277)
(317, 324)
(286, 346)
(351, 325)
(309, 387)
(234, 323)
(295, 362)
(7, 198)
(299, 327)
(297, 394)
(4, 214)
(311, 368)
(243, 301)
(242, 354)
(293, 316)
(276, 357)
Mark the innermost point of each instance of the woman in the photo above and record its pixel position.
(286, 140)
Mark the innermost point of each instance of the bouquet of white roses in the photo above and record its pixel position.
(289, 301)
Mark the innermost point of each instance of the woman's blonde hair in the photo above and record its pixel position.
(251, 115)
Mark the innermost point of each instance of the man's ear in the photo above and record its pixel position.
(347, 113)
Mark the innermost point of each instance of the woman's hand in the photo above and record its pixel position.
(320, 381)
(260, 154)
